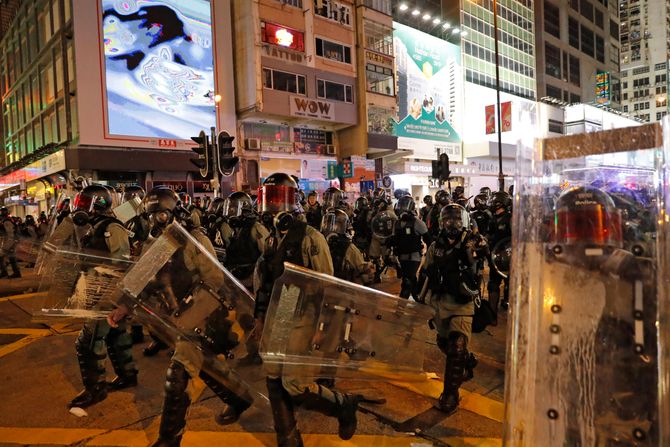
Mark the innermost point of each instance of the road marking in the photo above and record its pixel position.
(474, 402)
(22, 296)
(25, 331)
(31, 335)
(123, 438)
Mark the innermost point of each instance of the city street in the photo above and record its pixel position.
(39, 375)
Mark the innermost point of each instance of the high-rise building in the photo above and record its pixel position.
(645, 50)
(577, 50)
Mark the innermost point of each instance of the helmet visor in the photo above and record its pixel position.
(275, 199)
(232, 208)
(332, 223)
(590, 225)
(83, 203)
(454, 219)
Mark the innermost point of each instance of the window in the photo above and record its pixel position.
(661, 101)
(600, 49)
(555, 126)
(564, 72)
(333, 51)
(553, 92)
(573, 32)
(586, 9)
(379, 79)
(294, 3)
(380, 5)
(283, 81)
(333, 10)
(283, 36)
(48, 93)
(660, 115)
(574, 4)
(334, 91)
(641, 70)
(552, 22)
(575, 77)
(625, 109)
(586, 40)
(659, 67)
(574, 99)
(552, 58)
(614, 29)
(378, 37)
(600, 19)
(661, 79)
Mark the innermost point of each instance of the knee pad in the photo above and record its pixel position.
(177, 378)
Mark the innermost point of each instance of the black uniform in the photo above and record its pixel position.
(9, 231)
(500, 229)
(408, 234)
(362, 232)
(314, 214)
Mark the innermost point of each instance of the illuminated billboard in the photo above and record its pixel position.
(159, 68)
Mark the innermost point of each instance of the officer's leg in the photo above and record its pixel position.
(235, 405)
(409, 277)
(332, 403)
(175, 405)
(459, 362)
(90, 347)
(16, 273)
(379, 268)
(494, 289)
(3, 267)
(283, 414)
(119, 345)
(137, 333)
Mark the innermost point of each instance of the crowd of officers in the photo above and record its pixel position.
(439, 251)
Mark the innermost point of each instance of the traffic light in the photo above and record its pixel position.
(203, 151)
(225, 149)
(441, 168)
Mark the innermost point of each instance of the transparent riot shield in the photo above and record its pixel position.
(183, 294)
(27, 250)
(78, 284)
(587, 267)
(321, 326)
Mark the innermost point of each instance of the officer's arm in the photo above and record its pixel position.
(117, 241)
(260, 234)
(422, 230)
(226, 233)
(316, 248)
(209, 270)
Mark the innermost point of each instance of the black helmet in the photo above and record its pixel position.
(500, 199)
(163, 206)
(216, 207)
(334, 221)
(459, 191)
(333, 198)
(442, 197)
(94, 199)
(185, 199)
(132, 191)
(238, 204)
(486, 191)
(30, 220)
(405, 204)
(587, 216)
(278, 194)
(454, 219)
(362, 203)
(481, 202)
(382, 224)
(428, 200)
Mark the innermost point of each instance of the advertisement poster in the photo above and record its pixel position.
(429, 86)
(603, 88)
(159, 67)
(490, 112)
(311, 141)
(506, 116)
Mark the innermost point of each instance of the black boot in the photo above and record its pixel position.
(137, 334)
(175, 404)
(339, 405)
(119, 344)
(283, 415)
(92, 371)
(235, 405)
(458, 368)
(15, 268)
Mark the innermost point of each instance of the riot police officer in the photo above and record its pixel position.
(382, 226)
(499, 232)
(449, 265)
(408, 233)
(334, 198)
(218, 226)
(313, 212)
(189, 275)
(93, 211)
(425, 210)
(442, 199)
(9, 231)
(459, 197)
(481, 214)
(248, 239)
(296, 242)
(62, 210)
(348, 261)
(361, 224)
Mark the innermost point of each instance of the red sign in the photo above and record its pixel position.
(490, 112)
(162, 142)
(506, 111)
(283, 36)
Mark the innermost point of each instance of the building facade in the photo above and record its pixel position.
(578, 49)
(111, 92)
(645, 50)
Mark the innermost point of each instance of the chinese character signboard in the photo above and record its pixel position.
(603, 88)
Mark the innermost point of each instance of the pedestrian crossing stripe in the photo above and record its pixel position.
(132, 438)
(22, 296)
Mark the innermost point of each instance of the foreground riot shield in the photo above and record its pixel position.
(588, 273)
(78, 284)
(320, 326)
(27, 250)
(181, 292)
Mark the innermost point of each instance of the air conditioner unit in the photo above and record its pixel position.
(252, 144)
(330, 149)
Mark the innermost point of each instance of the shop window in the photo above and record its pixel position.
(74, 123)
(575, 99)
(334, 91)
(379, 79)
(552, 57)
(59, 75)
(56, 14)
(333, 51)
(552, 20)
(283, 81)
(378, 37)
(333, 10)
(268, 134)
(48, 93)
